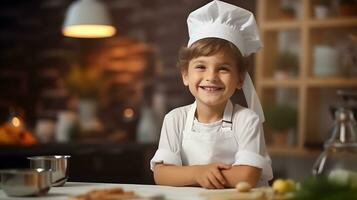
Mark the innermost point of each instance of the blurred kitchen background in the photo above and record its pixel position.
(102, 100)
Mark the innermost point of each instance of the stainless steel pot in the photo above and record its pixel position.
(57, 164)
(25, 182)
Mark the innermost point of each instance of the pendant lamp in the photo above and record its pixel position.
(87, 19)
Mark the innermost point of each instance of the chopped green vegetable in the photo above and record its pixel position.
(322, 188)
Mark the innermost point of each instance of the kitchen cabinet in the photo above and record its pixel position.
(289, 69)
(90, 162)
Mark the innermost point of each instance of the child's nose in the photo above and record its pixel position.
(211, 75)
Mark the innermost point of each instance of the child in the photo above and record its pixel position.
(213, 143)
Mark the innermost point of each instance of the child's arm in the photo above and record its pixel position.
(242, 173)
(208, 176)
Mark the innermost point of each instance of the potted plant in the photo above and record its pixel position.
(281, 118)
(286, 65)
(287, 12)
(85, 84)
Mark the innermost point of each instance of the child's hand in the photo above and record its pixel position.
(211, 177)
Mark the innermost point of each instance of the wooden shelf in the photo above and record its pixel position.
(272, 83)
(311, 82)
(313, 23)
(311, 96)
(332, 82)
(273, 150)
(281, 25)
(333, 23)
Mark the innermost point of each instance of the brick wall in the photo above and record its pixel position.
(35, 56)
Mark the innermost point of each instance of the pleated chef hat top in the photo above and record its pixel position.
(218, 19)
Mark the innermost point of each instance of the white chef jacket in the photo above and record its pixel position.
(247, 146)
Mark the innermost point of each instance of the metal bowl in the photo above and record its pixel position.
(57, 164)
(25, 182)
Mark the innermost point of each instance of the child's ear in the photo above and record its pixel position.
(184, 77)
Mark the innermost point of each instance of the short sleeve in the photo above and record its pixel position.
(168, 151)
(251, 147)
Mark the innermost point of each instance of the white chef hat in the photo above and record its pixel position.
(218, 19)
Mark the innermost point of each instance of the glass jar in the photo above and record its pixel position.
(339, 158)
(344, 129)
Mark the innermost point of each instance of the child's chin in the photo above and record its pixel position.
(212, 102)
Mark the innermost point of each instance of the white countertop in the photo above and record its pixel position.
(75, 188)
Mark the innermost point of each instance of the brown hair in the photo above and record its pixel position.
(208, 47)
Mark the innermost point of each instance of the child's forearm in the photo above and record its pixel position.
(186, 175)
(175, 175)
(242, 173)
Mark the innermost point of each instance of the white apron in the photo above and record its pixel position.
(205, 148)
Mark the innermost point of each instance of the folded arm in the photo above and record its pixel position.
(212, 176)
(240, 173)
(208, 176)
(175, 175)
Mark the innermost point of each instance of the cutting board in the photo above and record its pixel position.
(233, 195)
(255, 194)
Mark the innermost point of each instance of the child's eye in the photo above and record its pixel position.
(224, 69)
(200, 67)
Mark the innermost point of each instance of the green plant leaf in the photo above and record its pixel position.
(281, 117)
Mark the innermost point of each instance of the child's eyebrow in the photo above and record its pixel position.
(218, 63)
(225, 64)
(197, 60)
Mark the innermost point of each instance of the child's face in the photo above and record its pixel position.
(212, 80)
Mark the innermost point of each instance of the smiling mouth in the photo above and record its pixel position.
(211, 88)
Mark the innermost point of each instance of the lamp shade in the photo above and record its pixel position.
(87, 19)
